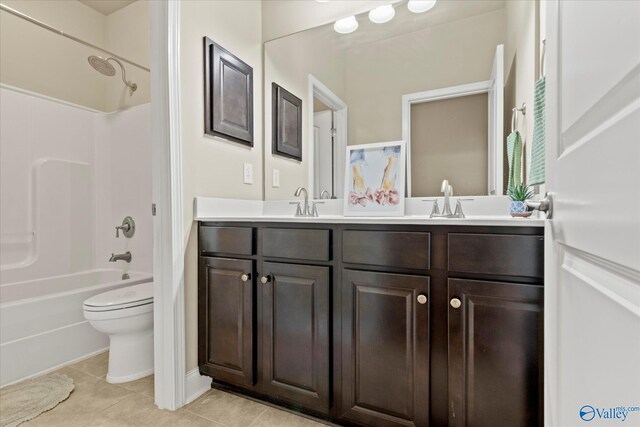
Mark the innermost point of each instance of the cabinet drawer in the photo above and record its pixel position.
(227, 240)
(499, 254)
(303, 244)
(386, 248)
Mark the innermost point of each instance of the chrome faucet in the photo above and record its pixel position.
(447, 189)
(121, 257)
(305, 208)
(325, 195)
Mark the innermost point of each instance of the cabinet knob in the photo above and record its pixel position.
(455, 303)
(422, 299)
(245, 277)
(265, 279)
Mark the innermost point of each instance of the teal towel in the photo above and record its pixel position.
(536, 175)
(514, 157)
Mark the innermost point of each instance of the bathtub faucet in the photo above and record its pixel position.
(121, 257)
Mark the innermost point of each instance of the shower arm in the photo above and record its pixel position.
(131, 86)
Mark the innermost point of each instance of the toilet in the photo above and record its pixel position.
(126, 315)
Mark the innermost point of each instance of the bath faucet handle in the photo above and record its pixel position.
(458, 212)
(128, 227)
(298, 208)
(435, 210)
(314, 209)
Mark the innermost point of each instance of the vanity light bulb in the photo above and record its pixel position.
(420, 6)
(382, 14)
(346, 25)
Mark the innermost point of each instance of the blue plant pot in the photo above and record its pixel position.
(519, 209)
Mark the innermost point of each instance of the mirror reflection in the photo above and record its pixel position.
(445, 81)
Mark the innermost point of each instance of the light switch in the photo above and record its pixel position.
(276, 178)
(247, 173)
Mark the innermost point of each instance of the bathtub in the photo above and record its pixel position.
(42, 326)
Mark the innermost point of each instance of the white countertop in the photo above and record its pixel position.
(228, 210)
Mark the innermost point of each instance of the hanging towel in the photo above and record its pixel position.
(514, 156)
(536, 175)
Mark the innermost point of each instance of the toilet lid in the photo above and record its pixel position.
(129, 296)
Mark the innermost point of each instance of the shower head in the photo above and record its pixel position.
(103, 66)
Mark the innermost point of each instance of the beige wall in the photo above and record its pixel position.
(284, 17)
(37, 60)
(521, 66)
(128, 34)
(288, 62)
(378, 74)
(449, 141)
(212, 167)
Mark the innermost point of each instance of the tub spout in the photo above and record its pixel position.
(121, 257)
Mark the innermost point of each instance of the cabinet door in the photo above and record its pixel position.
(495, 354)
(295, 334)
(385, 349)
(225, 317)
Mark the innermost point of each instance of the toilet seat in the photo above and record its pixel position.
(129, 297)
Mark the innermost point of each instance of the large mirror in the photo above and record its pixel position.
(445, 81)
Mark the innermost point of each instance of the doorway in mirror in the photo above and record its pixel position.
(329, 136)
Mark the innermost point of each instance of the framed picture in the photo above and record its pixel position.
(228, 95)
(375, 179)
(287, 123)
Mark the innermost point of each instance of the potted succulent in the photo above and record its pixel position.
(518, 194)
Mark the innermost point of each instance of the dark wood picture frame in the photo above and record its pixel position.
(287, 123)
(228, 95)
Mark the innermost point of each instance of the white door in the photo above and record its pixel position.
(592, 253)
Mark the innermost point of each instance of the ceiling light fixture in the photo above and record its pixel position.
(420, 6)
(346, 25)
(382, 14)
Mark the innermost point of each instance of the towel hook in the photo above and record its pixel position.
(543, 59)
(514, 115)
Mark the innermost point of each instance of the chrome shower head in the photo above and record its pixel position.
(103, 66)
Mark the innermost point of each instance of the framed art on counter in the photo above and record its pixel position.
(375, 179)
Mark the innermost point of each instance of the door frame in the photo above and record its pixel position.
(428, 96)
(168, 236)
(317, 89)
(495, 112)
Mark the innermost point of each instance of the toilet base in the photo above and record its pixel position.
(130, 357)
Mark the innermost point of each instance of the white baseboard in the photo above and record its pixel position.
(195, 385)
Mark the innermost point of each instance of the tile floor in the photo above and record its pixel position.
(95, 402)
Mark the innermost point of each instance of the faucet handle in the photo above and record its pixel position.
(458, 212)
(314, 209)
(298, 208)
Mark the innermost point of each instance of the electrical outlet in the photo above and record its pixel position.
(275, 182)
(247, 173)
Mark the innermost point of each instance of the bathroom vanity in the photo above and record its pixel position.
(377, 323)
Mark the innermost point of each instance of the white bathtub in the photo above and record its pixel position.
(42, 325)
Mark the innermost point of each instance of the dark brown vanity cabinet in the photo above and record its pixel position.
(226, 316)
(385, 349)
(226, 307)
(495, 354)
(295, 334)
(495, 329)
(377, 325)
